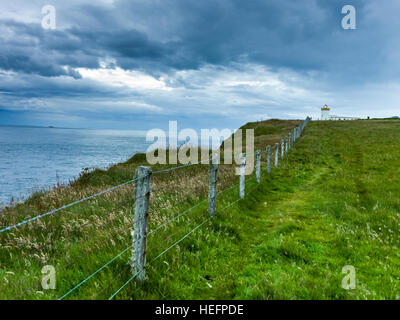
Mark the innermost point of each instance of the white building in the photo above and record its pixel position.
(325, 115)
(325, 112)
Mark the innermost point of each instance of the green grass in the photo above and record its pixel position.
(334, 202)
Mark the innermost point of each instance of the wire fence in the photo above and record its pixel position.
(167, 213)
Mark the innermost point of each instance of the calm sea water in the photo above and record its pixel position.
(33, 159)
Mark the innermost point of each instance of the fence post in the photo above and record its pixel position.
(142, 196)
(282, 148)
(258, 165)
(293, 136)
(287, 145)
(212, 196)
(242, 176)
(290, 141)
(269, 159)
(276, 154)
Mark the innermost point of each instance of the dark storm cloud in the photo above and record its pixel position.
(298, 44)
(302, 35)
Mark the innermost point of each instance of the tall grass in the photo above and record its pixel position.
(80, 239)
(334, 202)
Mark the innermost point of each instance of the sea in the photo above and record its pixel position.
(35, 159)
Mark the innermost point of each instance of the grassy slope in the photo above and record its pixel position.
(335, 202)
(80, 239)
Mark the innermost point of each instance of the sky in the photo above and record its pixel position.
(137, 64)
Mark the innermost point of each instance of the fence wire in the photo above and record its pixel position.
(65, 207)
(159, 255)
(227, 177)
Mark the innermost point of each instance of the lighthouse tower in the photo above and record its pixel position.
(325, 112)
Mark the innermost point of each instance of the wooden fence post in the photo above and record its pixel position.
(242, 176)
(282, 148)
(290, 141)
(276, 154)
(269, 159)
(258, 165)
(142, 196)
(293, 136)
(287, 145)
(212, 196)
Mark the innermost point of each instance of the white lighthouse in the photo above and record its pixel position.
(325, 113)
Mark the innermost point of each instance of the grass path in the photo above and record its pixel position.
(343, 214)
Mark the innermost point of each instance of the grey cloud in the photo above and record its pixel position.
(300, 41)
(176, 35)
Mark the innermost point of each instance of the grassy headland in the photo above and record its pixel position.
(334, 202)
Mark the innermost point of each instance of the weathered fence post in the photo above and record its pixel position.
(269, 159)
(294, 135)
(242, 176)
(282, 148)
(258, 165)
(290, 141)
(287, 145)
(142, 196)
(276, 154)
(212, 196)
